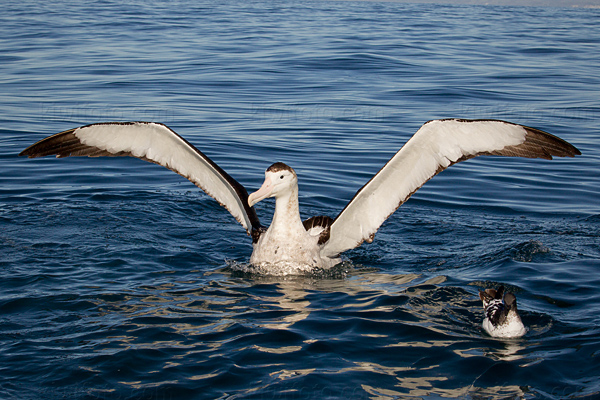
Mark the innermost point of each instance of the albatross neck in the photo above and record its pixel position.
(287, 210)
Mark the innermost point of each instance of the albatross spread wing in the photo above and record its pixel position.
(158, 144)
(437, 145)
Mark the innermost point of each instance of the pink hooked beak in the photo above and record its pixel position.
(262, 193)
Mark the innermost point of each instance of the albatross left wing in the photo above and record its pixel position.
(437, 145)
(158, 144)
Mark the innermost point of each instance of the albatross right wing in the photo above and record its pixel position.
(437, 145)
(158, 144)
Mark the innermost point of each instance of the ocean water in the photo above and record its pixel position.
(121, 280)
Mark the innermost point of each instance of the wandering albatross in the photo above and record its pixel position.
(318, 241)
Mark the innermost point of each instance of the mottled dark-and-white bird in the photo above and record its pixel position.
(501, 316)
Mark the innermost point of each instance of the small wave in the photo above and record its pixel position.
(526, 251)
(522, 252)
(592, 218)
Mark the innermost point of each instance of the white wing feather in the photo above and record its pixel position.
(436, 145)
(156, 143)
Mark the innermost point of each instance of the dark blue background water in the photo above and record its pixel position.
(120, 279)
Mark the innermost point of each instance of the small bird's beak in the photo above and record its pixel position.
(265, 191)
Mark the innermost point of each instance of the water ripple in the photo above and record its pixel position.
(121, 279)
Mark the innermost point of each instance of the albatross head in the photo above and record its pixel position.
(280, 179)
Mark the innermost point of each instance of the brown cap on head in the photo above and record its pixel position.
(279, 166)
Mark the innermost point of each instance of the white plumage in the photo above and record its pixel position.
(319, 241)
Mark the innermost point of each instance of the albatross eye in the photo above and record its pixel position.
(281, 177)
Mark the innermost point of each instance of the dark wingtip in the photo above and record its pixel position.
(499, 293)
(510, 300)
(30, 152)
(61, 144)
(551, 144)
(539, 144)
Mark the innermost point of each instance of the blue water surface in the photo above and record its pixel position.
(121, 280)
